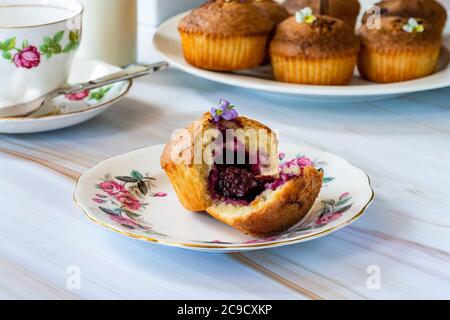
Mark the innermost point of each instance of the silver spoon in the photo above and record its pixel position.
(130, 72)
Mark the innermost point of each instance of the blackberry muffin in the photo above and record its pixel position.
(316, 50)
(225, 35)
(345, 10)
(253, 193)
(430, 10)
(403, 49)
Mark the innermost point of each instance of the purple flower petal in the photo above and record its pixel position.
(224, 111)
(230, 114)
(224, 104)
(215, 114)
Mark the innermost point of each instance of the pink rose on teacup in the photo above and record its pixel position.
(77, 96)
(129, 201)
(27, 58)
(112, 188)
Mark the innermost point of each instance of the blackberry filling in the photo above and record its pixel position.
(238, 184)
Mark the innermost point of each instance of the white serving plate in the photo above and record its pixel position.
(158, 216)
(167, 42)
(63, 113)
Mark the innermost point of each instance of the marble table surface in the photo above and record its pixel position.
(399, 250)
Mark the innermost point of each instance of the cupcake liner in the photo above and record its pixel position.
(386, 66)
(223, 53)
(326, 71)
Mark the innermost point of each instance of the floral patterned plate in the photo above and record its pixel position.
(66, 111)
(130, 194)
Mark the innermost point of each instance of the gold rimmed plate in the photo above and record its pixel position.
(66, 111)
(131, 195)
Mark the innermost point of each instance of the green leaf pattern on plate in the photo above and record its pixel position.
(127, 195)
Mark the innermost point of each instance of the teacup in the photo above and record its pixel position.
(38, 41)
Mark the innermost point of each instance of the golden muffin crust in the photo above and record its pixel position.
(325, 7)
(288, 206)
(325, 37)
(185, 154)
(426, 9)
(391, 35)
(227, 18)
(190, 179)
(276, 12)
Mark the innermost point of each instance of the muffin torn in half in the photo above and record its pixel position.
(227, 165)
(276, 205)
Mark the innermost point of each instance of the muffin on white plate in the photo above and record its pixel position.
(238, 179)
(430, 10)
(314, 49)
(225, 35)
(402, 49)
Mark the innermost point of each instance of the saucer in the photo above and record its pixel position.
(130, 194)
(66, 111)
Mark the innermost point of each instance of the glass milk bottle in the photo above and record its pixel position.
(109, 31)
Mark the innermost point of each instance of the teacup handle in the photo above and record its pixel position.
(130, 72)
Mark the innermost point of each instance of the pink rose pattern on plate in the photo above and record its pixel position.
(122, 198)
(29, 56)
(78, 96)
(97, 95)
(332, 210)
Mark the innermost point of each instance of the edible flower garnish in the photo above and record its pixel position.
(305, 15)
(224, 111)
(413, 26)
